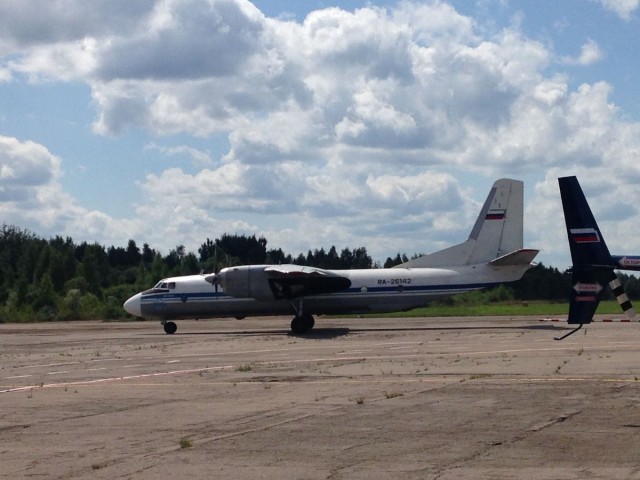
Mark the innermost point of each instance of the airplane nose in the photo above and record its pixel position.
(132, 306)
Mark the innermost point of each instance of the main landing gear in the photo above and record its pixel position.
(302, 324)
(169, 327)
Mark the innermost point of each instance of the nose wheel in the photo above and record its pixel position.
(302, 324)
(170, 328)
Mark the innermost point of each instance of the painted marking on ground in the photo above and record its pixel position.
(564, 347)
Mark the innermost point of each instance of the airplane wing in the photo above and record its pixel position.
(295, 281)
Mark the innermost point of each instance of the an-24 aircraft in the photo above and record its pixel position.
(492, 254)
(593, 265)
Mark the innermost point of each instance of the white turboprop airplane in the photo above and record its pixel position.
(492, 254)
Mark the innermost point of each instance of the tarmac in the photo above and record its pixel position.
(358, 398)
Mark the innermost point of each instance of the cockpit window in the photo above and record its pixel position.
(161, 287)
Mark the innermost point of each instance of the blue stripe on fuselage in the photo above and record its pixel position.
(186, 296)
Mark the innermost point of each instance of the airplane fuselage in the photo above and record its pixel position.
(371, 291)
(492, 254)
(626, 262)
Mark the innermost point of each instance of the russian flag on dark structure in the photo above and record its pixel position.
(585, 235)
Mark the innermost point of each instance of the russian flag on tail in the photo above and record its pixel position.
(585, 235)
(495, 215)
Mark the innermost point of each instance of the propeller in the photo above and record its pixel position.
(214, 278)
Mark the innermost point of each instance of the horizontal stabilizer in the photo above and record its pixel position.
(523, 256)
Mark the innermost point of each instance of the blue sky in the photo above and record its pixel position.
(353, 123)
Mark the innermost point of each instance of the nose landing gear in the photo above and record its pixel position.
(169, 327)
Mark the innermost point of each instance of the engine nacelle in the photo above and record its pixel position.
(246, 282)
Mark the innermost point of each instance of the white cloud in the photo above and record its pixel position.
(43, 22)
(24, 166)
(5, 74)
(199, 158)
(623, 8)
(59, 61)
(347, 115)
(590, 53)
(186, 39)
(32, 197)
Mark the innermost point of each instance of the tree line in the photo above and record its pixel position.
(58, 279)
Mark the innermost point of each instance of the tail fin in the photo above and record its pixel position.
(593, 266)
(586, 242)
(496, 233)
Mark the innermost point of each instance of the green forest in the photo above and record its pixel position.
(58, 279)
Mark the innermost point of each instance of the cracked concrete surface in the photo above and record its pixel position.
(358, 399)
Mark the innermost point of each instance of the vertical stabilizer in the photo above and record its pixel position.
(496, 232)
(586, 242)
(498, 229)
(593, 267)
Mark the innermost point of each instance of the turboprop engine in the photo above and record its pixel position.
(277, 282)
(250, 281)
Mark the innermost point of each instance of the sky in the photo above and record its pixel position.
(351, 123)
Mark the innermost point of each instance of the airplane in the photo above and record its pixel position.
(593, 266)
(492, 254)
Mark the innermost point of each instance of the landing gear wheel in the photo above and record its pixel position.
(302, 324)
(170, 328)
